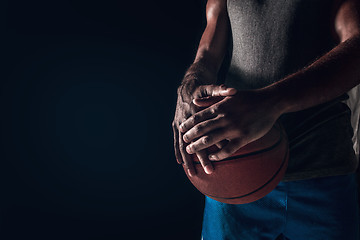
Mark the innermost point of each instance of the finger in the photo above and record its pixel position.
(215, 91)
(197, 118)
(207, 101)
(176, 144)
(222, 144)
(228, 90)
(205, 162)
(187, 159)
(208, 140)
(202, 128)
(227, 151)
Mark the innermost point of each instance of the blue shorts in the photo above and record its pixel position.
(320, 208)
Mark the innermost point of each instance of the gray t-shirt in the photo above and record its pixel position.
(271, 39)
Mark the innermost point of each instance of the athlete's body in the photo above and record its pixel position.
(331, 75)
(232, 118)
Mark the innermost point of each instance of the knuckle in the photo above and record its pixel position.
(198, 129)
(206, 140)
(195, 118)
(202, 91)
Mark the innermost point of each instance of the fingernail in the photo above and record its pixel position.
(225, 91)
(179, 161)
(191, 173)
(212, 157)
(208, 169)
(188, 149)
(232, 90)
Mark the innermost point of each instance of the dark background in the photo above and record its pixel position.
(87, 96)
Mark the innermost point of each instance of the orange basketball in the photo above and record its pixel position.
(249, 174)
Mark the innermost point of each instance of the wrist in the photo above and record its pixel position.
(274, 100)
(187, 87)
(195, 76)
(201, 73)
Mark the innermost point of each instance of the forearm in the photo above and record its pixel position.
(199, 73)
(327, 78)
(212, 46)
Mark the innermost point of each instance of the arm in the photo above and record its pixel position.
(203, 71)
(211, 49)
(330, 76)
(248, 115)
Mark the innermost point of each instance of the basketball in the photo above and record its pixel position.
(249, 174)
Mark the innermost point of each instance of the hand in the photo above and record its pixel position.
(185, 108)
(240, 119)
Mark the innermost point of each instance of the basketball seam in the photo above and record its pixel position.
(245, 195)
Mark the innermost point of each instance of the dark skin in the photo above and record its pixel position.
(199, 80)
(231, 119)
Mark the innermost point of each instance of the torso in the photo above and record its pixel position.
(274, 38)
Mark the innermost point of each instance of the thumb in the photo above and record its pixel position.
(224, 91)
(207, 101)
(215, 91)
(210, 94)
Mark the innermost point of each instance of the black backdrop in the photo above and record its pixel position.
(87, 96)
